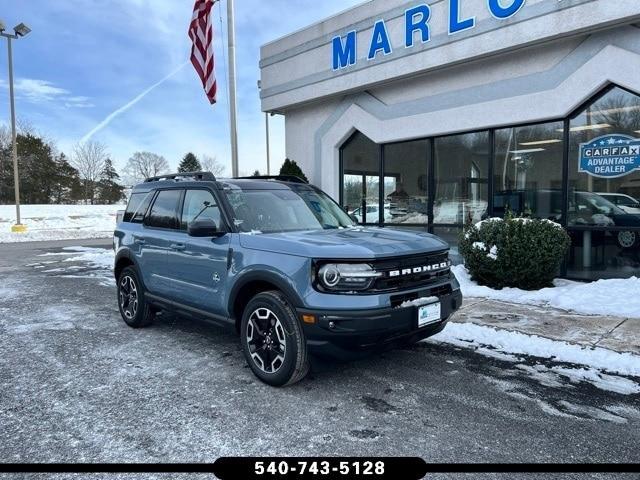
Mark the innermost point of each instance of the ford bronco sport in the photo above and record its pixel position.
(280, 262)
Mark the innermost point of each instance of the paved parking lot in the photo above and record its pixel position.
(76, 384)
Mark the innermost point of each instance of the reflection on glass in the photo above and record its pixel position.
(604, 201)
(598, 203)
(528, 171)
(599, 254)
(462, 169)
(361, 184)
(406, 183)
(451, 235)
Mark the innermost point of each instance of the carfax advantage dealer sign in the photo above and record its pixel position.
(610, 156)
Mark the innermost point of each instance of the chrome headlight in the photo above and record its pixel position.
(346, 277)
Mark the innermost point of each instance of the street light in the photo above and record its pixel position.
(19, 31)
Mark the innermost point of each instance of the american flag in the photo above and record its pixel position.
(202, 55)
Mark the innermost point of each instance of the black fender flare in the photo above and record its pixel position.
(126, 254)
(276, 280)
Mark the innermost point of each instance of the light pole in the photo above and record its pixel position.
(19, 30)
(266, 118)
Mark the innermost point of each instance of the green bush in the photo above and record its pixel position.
(515, 252)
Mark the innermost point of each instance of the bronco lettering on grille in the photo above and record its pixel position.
(436, 267)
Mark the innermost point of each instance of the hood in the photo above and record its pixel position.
(626, 220)
(630, 210)
(352, 243)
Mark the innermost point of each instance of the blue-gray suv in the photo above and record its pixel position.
(281, 263)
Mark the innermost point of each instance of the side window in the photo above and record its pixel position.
(164, 210)
(199, 204)
(137, 207)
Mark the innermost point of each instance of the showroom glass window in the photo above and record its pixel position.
(604, 187)
(361, 178)
(461, 178)
(528, 171)
(406, 185)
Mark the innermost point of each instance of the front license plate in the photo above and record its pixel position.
(429, 314)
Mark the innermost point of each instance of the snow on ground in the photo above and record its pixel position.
(58, 222)
(598, 366)
(617, 297)
(99, 259)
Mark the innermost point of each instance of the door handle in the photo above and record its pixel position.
(139, 240)
(179, 247)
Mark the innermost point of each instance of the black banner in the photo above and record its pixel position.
(379, 468)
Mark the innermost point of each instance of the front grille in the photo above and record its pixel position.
(408, 272)
(440, 291)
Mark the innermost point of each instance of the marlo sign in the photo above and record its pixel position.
(416, 26)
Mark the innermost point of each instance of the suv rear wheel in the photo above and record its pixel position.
(134, 309)
(273, 341)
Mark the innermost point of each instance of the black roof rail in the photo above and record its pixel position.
(280, 178)
(197, 176)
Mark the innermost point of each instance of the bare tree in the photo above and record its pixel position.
(144, 165)
(88, 158)
(211, 164)
(5, 137)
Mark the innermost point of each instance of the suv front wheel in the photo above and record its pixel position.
(273, 341)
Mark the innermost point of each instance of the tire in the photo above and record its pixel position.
(627, 240)
(273, 341)
(134, 309)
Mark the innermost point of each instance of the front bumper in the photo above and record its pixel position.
(350, 334)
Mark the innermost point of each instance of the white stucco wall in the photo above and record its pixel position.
(298, 68)
(415, 96)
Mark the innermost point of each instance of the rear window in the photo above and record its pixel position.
(137, 207)
(164, 212)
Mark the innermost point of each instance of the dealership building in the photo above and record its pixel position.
(432, 114)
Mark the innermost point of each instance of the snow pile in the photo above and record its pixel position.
(96, 257)
(98, 260)
(58, 222)
(521, 220)
(617, 297)
(493, 251)
(594, 365)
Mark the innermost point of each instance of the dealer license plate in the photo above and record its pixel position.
(429, 314)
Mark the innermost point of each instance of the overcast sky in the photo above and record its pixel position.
(118, 70)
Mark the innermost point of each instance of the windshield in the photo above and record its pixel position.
(627, 201)
(274, 211)
(597, 203)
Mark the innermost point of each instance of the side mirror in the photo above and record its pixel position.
(204, 228)
(354, 218)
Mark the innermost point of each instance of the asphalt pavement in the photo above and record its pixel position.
(78, 385)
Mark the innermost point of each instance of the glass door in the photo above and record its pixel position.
(361, 179)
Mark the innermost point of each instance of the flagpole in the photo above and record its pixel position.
(233, 111)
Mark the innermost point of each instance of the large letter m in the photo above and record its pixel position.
(344, 51)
